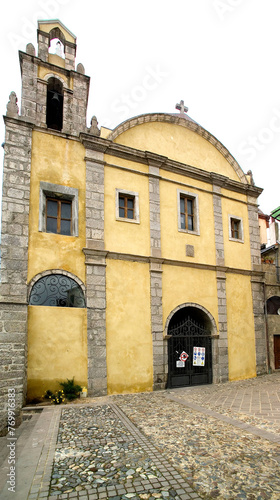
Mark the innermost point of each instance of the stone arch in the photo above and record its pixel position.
(54, 75)
(51, 272)
(210, 319)
(273, 305)
(54, 114)
(191, 331)
(183, 122)
(56, 33)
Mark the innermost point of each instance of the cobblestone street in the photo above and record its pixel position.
(216, 441)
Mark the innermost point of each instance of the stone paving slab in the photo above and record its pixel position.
(219, 459)
(215, 441)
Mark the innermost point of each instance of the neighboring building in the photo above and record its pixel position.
(130, 257)
(270, 255)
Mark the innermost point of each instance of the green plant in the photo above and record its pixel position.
(71, 390)
(57, 397)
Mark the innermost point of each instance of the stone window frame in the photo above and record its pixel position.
(61, 192)
(241, 232)
(194, 197)
(133, 195)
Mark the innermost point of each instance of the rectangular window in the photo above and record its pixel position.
(127, 206)
(58, 209)
(187, 213)
(58, 216)
(188, 220)
(235, 229)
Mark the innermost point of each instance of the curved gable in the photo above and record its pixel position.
(179, 139)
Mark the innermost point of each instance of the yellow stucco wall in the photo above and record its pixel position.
(128, 327)
(43, 72)
(47, 27)
(120, 235)
(173, 241)
(56, 336)
(178, 143)
(58, 161)
(237, 254)
(182, 284)
(241, 336)
(57, 348)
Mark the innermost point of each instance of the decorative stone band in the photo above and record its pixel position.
(159, 344)
(119, 150)
(190, 124)
(96, 322)
(93, 253)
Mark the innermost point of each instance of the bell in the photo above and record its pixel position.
(55, 97)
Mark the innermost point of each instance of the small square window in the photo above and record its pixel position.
(188, 220)
(127, 206)
(236, 229)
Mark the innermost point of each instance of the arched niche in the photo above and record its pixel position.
(54, 115)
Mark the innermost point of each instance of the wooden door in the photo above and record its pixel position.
(277, 351)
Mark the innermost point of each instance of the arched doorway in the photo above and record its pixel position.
(189, 347)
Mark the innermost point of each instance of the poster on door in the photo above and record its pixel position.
(198, 356)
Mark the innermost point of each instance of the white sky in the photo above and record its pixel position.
(220, 56)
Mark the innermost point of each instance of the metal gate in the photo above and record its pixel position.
(189, 354)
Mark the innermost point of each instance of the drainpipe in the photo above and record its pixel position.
(266, 331)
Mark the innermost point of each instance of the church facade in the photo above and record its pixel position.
(130, 257)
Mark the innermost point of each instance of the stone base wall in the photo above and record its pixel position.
(13, 367)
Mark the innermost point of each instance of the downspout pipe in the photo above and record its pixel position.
(266, 330)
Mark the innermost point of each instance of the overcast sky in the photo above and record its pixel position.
(220, 56)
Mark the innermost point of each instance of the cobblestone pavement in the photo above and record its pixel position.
(216, 441)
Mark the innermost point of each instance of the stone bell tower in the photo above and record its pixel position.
(54, 99)
(52, 77)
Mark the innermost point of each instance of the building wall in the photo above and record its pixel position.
(58, 161)
(241, 334)
(128, 327)
(57, 348)
(57, 341)
(136, 274)
(178, 143)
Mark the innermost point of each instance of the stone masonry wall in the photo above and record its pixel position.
(95, 273)
(220, 371)
(159, 345)
(14, 249)
(257, 288)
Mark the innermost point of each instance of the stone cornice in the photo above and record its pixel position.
(19, 120)
(51, 66)
(149, 158)
(100, 255)
(187, 123)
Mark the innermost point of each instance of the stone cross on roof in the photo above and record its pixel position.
(183, 109)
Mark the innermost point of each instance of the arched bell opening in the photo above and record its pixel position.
(54, 104)
(190, 330)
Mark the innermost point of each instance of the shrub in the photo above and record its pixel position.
(57, 397)
(71, 390)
